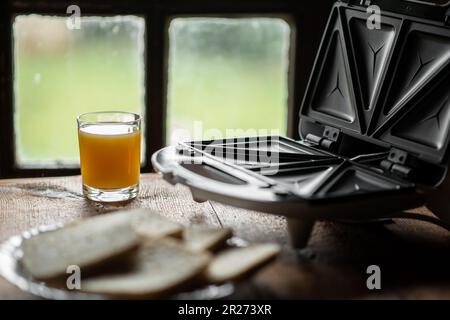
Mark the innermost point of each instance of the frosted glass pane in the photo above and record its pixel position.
(227, 73)
(60, 73)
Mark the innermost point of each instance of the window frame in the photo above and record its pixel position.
(157, 15)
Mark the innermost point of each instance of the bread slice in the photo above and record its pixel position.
(158, 268)
(84, 243)
(151, 225)
(235, 263)
(199, 239)
(93, 241)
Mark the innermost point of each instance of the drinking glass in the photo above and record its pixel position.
(110, 153)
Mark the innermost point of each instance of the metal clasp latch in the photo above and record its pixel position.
(396, 163)
(328, 139)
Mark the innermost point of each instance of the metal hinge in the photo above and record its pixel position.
(365, 3)
(361, 3)
(396, 163)
(328, 139)
(447, 17)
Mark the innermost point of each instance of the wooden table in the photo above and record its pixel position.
(414, 257)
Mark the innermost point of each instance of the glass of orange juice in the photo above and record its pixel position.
(110, 155)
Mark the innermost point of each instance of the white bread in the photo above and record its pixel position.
(234, 263)
(199, 239)
(84, 243)
(93, 241)
(151, 225)
(158, 268)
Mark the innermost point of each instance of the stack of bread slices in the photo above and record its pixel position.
(140, 253)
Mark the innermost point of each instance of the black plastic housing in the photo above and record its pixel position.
(387, 86)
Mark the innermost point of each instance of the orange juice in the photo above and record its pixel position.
(110, 155)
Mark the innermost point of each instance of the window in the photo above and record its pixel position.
(227, 73)
(60, 73)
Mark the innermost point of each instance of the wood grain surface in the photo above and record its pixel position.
(414, 256)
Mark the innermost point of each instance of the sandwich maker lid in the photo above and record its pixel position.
(389, 86)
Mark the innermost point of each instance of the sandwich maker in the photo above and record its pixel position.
(374, 127)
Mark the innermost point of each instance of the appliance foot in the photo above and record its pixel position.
(299, 231)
